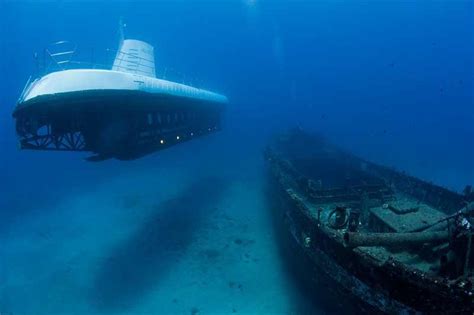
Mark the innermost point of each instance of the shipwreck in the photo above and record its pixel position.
(377, 239)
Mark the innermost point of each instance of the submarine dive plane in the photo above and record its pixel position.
(124, 112)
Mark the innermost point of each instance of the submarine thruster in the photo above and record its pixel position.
(124, 113)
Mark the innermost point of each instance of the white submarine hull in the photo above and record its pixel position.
(69, 81)
(122, 113)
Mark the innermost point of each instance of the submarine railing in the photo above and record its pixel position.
(26, 88)
(61, 60)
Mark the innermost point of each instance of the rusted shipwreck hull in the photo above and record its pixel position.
(379, 240)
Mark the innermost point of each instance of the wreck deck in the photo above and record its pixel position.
(397, 222)
(419, 216)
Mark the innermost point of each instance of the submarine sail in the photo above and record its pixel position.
(124, 112)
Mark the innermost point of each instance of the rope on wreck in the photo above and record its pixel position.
(467, 210)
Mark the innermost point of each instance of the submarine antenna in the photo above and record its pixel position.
(37, 65)
(122, 27)
(121, 33)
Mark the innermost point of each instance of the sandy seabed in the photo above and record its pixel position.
(162, 240)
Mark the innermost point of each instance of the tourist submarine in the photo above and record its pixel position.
(124, 113)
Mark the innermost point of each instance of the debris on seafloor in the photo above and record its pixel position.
(235, 285)
(194, 310)
(211, 254)
(240, 241)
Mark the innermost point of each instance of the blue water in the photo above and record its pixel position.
(186, 230)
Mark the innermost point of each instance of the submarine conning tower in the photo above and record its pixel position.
(123, 112)
(131, 51)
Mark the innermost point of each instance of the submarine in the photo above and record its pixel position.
(122, 112)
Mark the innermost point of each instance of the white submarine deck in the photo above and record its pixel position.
(69, 81)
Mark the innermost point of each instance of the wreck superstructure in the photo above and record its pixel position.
(124, 112)
(383, 240)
